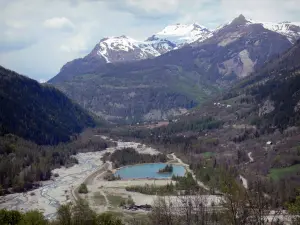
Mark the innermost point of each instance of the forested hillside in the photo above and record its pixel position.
(36, 112)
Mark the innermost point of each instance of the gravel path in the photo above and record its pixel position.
(250, 157)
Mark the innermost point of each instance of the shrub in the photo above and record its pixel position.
(83, 189)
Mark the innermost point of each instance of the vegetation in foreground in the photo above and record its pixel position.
(237, 206)
(77, 214)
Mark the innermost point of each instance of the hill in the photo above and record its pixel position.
(36, 112)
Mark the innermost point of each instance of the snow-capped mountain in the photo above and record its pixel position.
(172, 37)
(123, 48)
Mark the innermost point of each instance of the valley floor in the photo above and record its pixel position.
(103, 195)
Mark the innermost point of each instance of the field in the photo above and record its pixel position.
(208, 154)
(278, 173)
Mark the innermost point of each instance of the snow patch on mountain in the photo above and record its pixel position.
(181, 34)
(124, 44)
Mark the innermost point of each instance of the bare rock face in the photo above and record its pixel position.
(266, 108)
(155, 114)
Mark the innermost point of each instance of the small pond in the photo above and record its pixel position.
(149, 171)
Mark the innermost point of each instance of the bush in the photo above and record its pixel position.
(83, 189)
(130, 201)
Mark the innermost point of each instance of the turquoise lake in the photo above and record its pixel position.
(149, 171)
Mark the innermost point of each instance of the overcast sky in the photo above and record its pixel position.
(39, 36)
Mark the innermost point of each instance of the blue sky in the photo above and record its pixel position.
(39, 36)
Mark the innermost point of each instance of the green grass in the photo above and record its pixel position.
(277, 173)
(208, 154)
(99, 199)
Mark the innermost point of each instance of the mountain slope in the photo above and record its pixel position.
(38, 113)
(239, 48)
(276, 90)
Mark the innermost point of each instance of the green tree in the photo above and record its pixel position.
(82, 214)
(33, 218)
(64, 215)
(10, 217)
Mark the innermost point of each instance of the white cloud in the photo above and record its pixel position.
(266, 10)
(155, 6)
(59, 23)
(75, 44)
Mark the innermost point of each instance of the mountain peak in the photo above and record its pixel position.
(240, 20)
(242, 17)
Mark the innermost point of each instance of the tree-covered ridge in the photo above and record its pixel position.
(37, 112)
